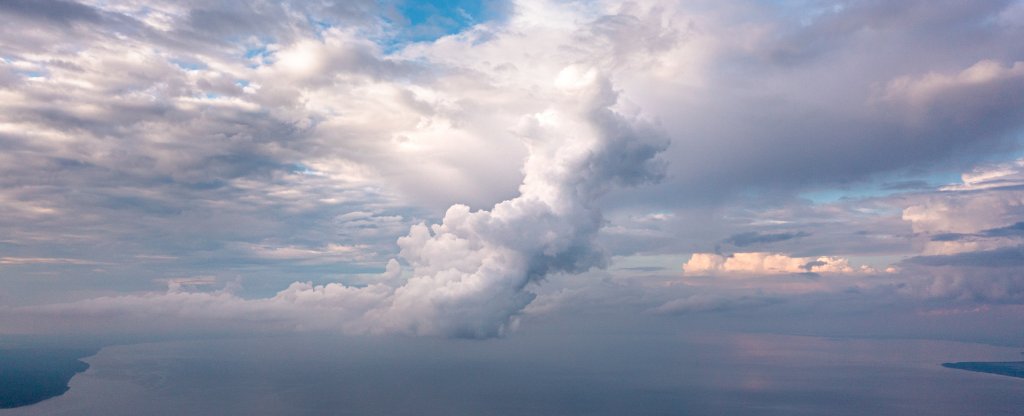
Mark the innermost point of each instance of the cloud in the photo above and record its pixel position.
(57, 11)
(470, 271)
(754, 237)
(988, 198)
(189, 284)
(984, 277)
(983, 213)
(274, 142)
(952, 243)
(805, 128)
(966, 243)
(45, 260)
(1001, 175)
(1015, 230)
(962, 245)
(327, 254)
(754, 263)
(469, 274)
(712, 303)
(1001, 257)
(926, 90)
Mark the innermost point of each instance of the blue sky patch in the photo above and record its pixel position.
(258, 55)
(433, 19)
(32, 74)
(188, 65)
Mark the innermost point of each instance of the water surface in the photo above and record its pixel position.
(545, 370)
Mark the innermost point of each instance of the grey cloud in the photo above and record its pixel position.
(812, 264)
(711, 303)
(906, 185)
(56, 11)
(753, 237)
(220, 21)
(65, 22)
(628, 35)
(840, 227)
(950, 237)
(999, 258)
(964, 280)
(785, 129)
(832, 26)
(123, 150)
(1015, 230)
(8, 78)
(471, 273)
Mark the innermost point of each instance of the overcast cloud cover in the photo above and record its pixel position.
(450, 169)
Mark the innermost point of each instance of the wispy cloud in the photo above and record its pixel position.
(46, 260)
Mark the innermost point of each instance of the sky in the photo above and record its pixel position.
(456, 169)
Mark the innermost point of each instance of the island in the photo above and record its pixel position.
(31, 375)
(1006, 368)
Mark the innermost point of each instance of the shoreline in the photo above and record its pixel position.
(1013, 369)
(33, 375)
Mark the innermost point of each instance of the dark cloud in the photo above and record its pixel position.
(949, 237)
(1015, 230)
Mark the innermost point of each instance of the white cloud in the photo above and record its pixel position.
(326, 254)
(470, 274)
(966, 244)
(988, 198)
(921, 90)
(990, 176)
(763, 263)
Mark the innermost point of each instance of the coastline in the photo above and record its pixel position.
(31, 375)
(1003, 368)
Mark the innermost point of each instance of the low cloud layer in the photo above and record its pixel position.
(963, 247)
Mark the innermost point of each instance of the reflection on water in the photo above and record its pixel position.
(541, 372)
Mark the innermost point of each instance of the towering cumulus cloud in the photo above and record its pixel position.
(470, 273)
(469, 276)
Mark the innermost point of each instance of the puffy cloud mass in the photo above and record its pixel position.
(471, 271)
(982, 213)
(767, 263)
(469, 274)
